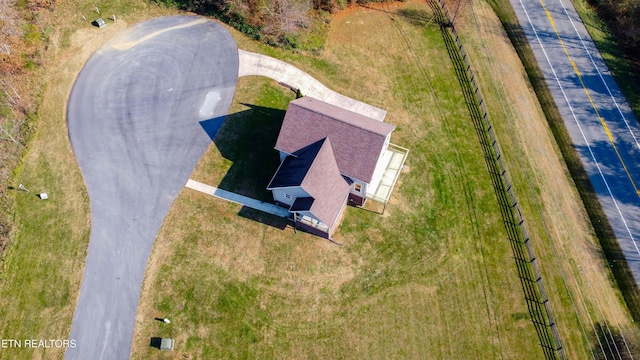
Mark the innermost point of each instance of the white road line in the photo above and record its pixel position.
(600, 74)
(580, 128)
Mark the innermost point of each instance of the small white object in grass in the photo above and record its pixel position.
(44, 196)
(114, 17)
(167, 321)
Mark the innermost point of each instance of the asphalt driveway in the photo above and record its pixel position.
(135, 119)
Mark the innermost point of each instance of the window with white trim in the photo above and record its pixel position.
(288, 196)
(358, 187)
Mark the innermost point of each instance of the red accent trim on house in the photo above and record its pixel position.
(356, 200)
(311, 230)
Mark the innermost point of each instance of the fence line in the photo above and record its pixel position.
(527, 264)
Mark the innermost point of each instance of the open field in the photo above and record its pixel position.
(625, 71)
(598, 309)
(625, 75)
(432, 278)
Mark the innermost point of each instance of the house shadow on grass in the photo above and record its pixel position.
(264, 218)
(247, 140)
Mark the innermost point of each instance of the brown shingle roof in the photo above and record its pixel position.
(294, 168)
(314, 169)
(325, 184)
(356, 140)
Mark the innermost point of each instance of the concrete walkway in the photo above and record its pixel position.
(280, 71)
(238, 199)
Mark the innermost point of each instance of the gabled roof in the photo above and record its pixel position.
(294, 168)
(302, 204)
(356, 140)
(325, 184)
(314, 169)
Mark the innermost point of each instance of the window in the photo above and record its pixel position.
(358, 187)
(288, 196)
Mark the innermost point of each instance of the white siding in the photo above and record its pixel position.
(294, 192)
(363, 188)
(380, 165)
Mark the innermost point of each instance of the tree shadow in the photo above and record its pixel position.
(609, 343)
(619, 22)
(416, 17)
(621, 44)
(616, 164)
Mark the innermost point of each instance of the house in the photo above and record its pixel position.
(331, 157)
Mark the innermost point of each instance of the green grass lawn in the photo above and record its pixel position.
(433, 277)
(42, 267)
(426, 272)
(546, 201)
(245, 158)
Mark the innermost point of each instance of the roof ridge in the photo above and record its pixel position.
(324, 140)
(310, 147)
(344, 122)
(296, 157)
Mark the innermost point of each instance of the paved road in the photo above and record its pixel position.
(600, 122)
(134, 122)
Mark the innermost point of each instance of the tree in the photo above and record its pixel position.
(283, 18)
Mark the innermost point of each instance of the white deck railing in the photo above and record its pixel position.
(383, 191)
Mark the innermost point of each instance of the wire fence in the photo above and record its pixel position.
(526, 262)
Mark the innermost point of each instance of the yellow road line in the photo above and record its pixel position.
(602, 121)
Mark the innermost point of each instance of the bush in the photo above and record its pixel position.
(623, 18)
(296, 24)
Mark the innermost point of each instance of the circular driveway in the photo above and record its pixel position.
(140, 116)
